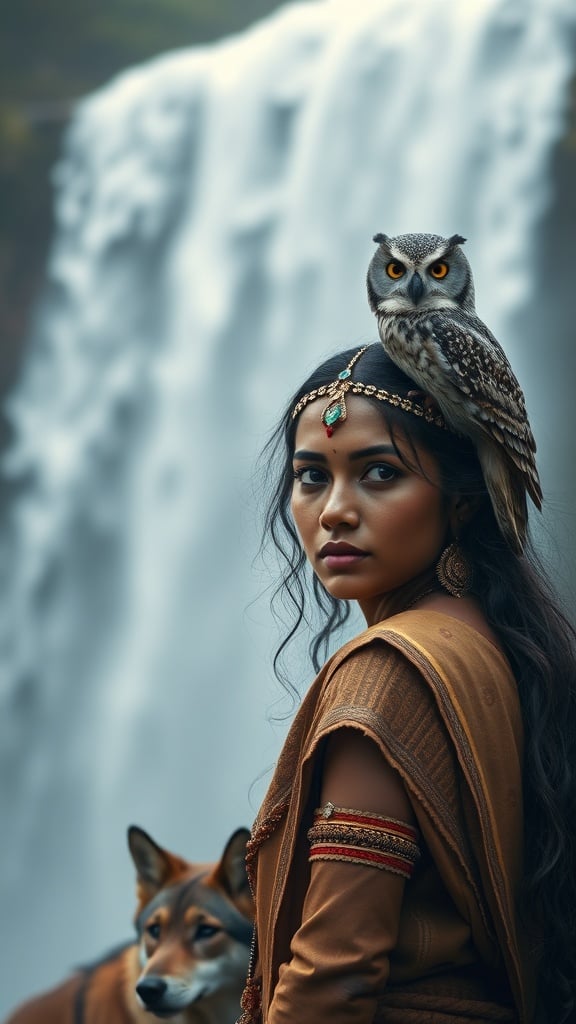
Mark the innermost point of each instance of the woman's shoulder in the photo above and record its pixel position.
(440, 625)
(466, 610)
(422, 673)
(421, 654)
(365, 680)
(454, 637)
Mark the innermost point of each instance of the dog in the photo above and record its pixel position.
(194, 926)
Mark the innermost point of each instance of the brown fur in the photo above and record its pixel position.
(183, 896)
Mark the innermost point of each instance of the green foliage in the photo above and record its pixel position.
(52, 52)
(62, 48)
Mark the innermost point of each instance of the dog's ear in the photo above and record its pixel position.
(154, 866)
(231, 874)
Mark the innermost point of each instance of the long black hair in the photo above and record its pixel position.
(524, 611)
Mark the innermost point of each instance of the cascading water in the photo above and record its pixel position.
(215, 210)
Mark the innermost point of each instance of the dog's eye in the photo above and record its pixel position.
(153, 931)
(206, 931)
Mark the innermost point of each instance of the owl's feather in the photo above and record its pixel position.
(479, 393)
(430, 329)
(507, 493)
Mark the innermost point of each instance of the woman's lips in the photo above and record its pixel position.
(338, 555)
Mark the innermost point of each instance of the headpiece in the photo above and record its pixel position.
(335, 411)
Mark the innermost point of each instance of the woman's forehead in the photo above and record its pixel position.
(366, 425)
(364, 422)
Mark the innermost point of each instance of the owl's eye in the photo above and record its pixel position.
(439, 270)
(395, 270)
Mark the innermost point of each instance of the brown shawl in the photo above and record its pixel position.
(453, 731)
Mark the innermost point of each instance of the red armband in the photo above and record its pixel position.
(340, 833)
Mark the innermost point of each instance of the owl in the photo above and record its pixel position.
(421, 290)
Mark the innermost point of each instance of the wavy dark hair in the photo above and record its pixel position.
(524, 611)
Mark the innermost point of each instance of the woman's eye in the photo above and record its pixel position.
(381, 473)
(153, 930)
(439, 270)
(310, 475)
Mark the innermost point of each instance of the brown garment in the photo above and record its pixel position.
(441, 703)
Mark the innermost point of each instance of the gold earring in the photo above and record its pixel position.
(454, 571)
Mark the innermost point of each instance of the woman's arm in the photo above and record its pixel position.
(354, 769)
(351, 914)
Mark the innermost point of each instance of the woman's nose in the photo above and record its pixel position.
(339, 509)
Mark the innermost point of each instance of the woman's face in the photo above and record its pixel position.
(368, 523)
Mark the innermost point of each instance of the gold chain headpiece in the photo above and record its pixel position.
(335, 411)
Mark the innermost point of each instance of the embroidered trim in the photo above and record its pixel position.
(340, 833)
(262, 830)
(251, 1000)
(250, 1003)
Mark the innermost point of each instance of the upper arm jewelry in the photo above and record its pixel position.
(341, 833)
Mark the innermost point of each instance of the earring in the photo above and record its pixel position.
(454, 571)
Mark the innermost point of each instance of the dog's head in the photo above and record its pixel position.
(194, 924)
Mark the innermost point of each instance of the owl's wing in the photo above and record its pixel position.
(475, 363)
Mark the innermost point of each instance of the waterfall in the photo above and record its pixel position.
(214, 210)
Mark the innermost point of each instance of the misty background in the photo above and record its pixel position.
(190, 200)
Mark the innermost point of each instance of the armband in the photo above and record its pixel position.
(340, 833)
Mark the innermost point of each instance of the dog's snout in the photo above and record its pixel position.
(152, 990)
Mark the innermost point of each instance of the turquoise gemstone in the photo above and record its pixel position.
(344, 375)
(332, 414)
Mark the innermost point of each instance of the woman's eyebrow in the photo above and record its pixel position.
(309, 456)
(375, 449)
(362, 453)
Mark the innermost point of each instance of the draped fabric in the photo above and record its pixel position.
(441, 703)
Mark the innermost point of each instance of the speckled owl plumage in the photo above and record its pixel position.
(421, 290)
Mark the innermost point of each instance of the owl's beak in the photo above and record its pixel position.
(416, 289)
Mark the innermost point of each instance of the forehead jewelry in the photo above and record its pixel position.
(335, 411)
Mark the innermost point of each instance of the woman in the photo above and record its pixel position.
(414, 859)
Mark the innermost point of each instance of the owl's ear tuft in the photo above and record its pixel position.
(381, 239)
(456, 240)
